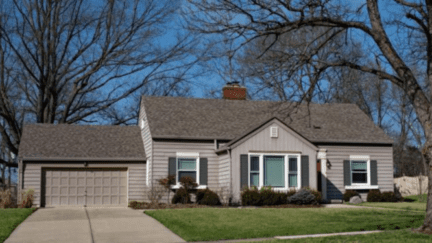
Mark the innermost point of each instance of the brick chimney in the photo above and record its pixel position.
(233, 91)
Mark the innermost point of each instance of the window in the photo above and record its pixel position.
(359, 172)
(187, 167)
(293, 172)
(254, 171)
(280, 171)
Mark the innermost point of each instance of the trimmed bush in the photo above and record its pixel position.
(374, 196)
(349, 194)
(388, 197)
(181, 196)
(291, 192)
(317, 195)
(133, 204)
(270, 197)
(302, 197)
(251, 197)
(207, 197)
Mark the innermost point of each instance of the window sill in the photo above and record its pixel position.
(361, 187)
(198, 187)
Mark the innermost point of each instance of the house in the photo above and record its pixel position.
(227, 144)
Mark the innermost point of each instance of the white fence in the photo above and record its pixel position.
(408, 185)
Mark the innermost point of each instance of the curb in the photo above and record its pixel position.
(294, 237)
(325, 235)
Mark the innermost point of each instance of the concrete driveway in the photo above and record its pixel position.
(91, 225)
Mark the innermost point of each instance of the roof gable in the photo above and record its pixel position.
(63, 142)
(175, 117)
(272, 121)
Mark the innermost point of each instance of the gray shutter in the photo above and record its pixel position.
(374, 172)
(172, 166)
(203, 171)
(347, 173)
(304, 170)
(243, 171)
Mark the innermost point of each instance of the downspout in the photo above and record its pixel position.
(230, 171)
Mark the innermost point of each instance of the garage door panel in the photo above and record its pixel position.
(71, 186)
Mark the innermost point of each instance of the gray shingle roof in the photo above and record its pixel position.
(81, 141)
(175, 117)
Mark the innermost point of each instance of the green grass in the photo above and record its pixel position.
(201, 224)
(417, 199)
(11, 218)
(396, 236)
(400, 205)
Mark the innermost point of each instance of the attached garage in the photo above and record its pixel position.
(78, 187)
(75, 165)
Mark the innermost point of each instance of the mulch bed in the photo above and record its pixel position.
(193, 205)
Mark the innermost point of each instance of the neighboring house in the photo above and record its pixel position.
(227, 143)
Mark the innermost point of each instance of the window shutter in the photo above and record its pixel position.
(203, 171)
(243, 171)
(304, 170)
(172, 166)
(347, 173)
(374, 172)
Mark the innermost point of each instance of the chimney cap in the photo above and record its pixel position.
(228, 83)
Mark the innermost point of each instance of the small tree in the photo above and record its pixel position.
(167, 182)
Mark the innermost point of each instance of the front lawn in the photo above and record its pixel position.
(396, 236)
(11, 218)
(203, 224)
(396, 205)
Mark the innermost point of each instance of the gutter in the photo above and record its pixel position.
(72, 159)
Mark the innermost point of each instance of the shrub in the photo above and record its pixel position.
(6, 199)
(317, 195)
(27, 199)
(181, 196)
(349, 194)
(251, 197)
(374, 196)
(207, 197)
(388, 197)
(133, 204)
(188, 183)
(291, 192)
(302, 197)
(167, 182)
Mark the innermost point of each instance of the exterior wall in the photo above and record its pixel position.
(337, 154)
(261, 140)
(162, 150)
(32, 177)
(148, 142)
(224, 170)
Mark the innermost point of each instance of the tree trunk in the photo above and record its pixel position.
(427, 224)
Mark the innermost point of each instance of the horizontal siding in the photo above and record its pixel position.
(137, 183)
(260, 140)
(224, 170)
(162, 150)
(337, 154)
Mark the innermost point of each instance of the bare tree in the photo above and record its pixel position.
(395, 54)
(71, 61)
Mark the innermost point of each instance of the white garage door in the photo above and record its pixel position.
(78, 187)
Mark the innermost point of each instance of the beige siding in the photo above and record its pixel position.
(136, 176)
(337, 154)
(147, 139)
(260, 140)
(224, 170)
(162, 150)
